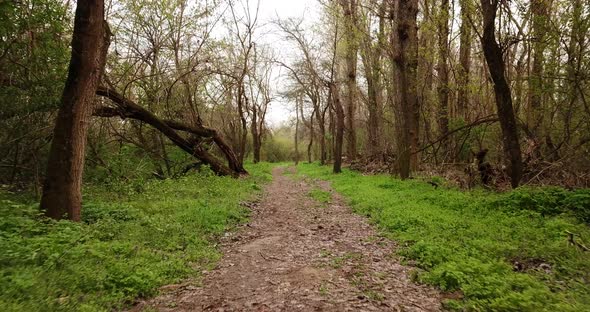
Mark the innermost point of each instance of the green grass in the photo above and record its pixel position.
(471, 241)
(321, 196)
(132, 240)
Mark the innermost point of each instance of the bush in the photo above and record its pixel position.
(548, 201)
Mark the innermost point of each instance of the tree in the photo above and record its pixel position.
(464, 70)
(539, 10)
(405, 58)
(349, 8)
(443, 68)
(494, 58)
(371, 57)
(62, 188)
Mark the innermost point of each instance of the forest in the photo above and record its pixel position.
(310, 155)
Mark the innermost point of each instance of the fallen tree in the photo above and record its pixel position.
(126, 108)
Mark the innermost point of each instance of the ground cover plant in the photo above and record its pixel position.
(129, 243)
(488, 251)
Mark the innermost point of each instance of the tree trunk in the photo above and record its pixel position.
(243, 136)
(406, 60)
(371, 57)
(496, 67)
(311, 135)
(256, 144)
(297, 131)
(350, 17)
(443, 70)
(339, 138)
(321, 117)
(62, 188)
(539, 10)
(463, 94)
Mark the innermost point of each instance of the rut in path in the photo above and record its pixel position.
(300, 255)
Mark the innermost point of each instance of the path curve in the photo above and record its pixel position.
(300, 255)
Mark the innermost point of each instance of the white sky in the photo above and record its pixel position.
(279, 112)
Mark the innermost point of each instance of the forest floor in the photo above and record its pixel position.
(303, 250)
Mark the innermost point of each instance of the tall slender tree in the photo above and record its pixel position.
(494, 58)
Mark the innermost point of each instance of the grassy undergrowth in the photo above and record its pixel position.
(320, 196)
(131, 241)
(499, 252)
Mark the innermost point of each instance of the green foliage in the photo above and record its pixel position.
(126, 247)
(502, 252)
(277, 149)
(320, 196)
(548, 201)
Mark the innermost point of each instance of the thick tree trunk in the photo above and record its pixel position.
(371, 57)
(406, 63)
(350, 16)
(62, 188)
(496, 67)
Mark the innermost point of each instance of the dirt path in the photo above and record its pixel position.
(301, 255)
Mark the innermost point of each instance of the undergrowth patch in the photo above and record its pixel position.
(500, 252)
(320, 196)
(129, 243)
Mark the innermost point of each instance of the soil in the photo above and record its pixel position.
(298, 254)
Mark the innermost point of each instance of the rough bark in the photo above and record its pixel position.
(496, 67)
(405, 42)
(62, 188)
(443, 68)
(371, 57)
(350, 17)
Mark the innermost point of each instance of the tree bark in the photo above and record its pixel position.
(297, 129)
(539, 10)
(371, 57)
(62, 194)
(256, 144)
(406, 60)
(443, 69)
(463, 94)
(339, 139)
(350, 18)
(494, 58)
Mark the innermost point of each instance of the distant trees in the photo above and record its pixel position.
(419, 95)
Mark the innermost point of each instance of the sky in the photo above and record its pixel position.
(279, 111)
